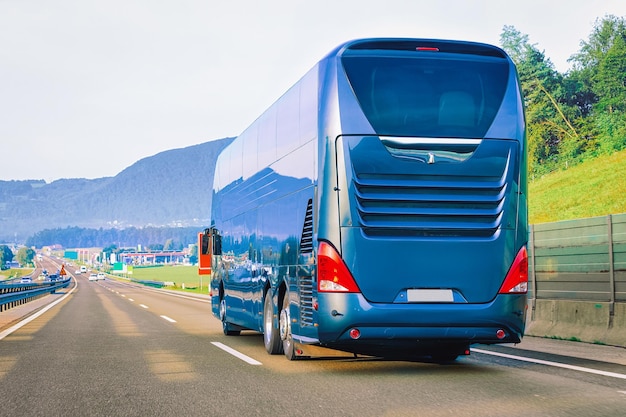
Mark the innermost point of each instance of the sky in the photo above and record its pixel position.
(87, 88)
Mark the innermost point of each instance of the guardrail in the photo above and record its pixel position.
(156, 284)
(12, 295)
(579, 259)
(578, 279)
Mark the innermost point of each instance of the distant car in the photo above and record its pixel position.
(26, 280)
(53, 277)
(93, 277)
(101, 275)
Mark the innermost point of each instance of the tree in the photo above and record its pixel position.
(601, 63)
(108, 251)
(6, 255)
(601, 39)
(554, 119)
(550, 131)
(25, 255)
(193, 254)
(514, 43)
(170, 245)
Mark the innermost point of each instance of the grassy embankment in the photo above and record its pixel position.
(593, 188)
(15, 273)
(178, 274)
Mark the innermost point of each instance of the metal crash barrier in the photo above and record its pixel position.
(15, 294)
(148, 283)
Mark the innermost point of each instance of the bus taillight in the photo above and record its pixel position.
(332, 273)
(516, 281)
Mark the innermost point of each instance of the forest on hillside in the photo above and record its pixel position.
(578, 115)
(172, 238)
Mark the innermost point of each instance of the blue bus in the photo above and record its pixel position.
(378, 207)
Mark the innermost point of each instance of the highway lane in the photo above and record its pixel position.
(113, 348)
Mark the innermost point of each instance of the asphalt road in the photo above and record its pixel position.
(111, 348)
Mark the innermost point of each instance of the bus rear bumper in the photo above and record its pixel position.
(349, 322)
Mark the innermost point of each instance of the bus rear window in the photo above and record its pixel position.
(448, 96)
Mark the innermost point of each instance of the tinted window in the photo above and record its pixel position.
(433, 95)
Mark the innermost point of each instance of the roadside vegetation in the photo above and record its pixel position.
(15, 273)
(579, 115)
(184, 277)
(23, 257)
(593, 188)
(576, 124)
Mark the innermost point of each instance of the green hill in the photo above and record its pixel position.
(594, 188)
(169, 189)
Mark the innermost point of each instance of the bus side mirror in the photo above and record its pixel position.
(204, 252)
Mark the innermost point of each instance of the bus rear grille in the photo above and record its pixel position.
(305, 284)
(430, 207)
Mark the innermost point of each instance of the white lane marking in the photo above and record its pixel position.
(164, 292)
(550, 363)
(130, 299)
(237, 354)
(123, 295)
(143, 306)
(168, 319)
(22, 323)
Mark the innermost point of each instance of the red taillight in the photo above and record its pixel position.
(332, 273)
(427, 48)
(516, 281)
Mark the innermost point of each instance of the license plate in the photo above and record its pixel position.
(429, 296)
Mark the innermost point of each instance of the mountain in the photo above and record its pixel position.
(171, 188)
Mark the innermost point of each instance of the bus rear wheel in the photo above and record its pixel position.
(271, 334)
(289, 348)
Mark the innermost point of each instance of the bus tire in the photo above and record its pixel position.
(285, 329)
(271, 333)
(227, 328)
